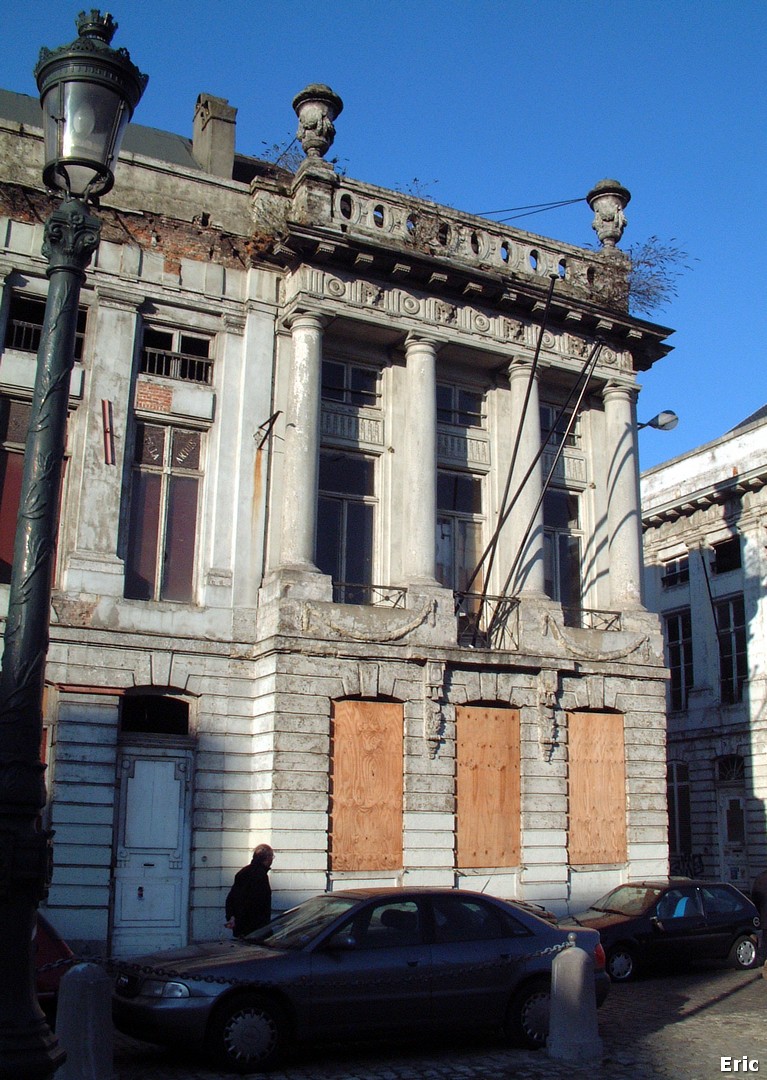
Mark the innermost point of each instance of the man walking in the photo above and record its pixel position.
(249, 903)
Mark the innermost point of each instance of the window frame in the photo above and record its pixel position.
(456, 413)
(678, 793)
(167, 472)
(345, 591)
(675, 572)
(463, 523)
(34, 328)
(682, 667)
(552, 554)
(345, 393)
(732, 644)
(176, 363)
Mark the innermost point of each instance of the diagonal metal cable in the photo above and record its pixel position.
(584, 377)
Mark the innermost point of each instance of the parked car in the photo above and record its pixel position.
(677, 919)
(50, 947)
(356, 963)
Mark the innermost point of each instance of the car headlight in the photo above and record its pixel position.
(160, 989)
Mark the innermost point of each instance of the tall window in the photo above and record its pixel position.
(679, 814)
(163, 513)
(349, 384)
(345, 523)
(562, 548)
(733, 659)
(459, 529)
(554, 427)
(459, 406)
(14, 422)
(176, 354)
(25, 324)
(678, 628)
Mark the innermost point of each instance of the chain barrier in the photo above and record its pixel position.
(114, 966)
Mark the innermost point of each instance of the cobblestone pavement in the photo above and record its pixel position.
(668, 1026)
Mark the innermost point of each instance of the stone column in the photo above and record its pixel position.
(420, 519)
(623, 515)
(529, 578)
(302, 446)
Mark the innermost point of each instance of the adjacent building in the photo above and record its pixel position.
(350, 546)
(705, 516)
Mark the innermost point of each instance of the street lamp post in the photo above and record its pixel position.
(88, 92)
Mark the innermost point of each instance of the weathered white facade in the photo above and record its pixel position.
(288, 387)
(705, 515)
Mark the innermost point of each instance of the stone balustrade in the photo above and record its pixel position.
(400, 220)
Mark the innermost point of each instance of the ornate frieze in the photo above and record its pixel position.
(462, 317)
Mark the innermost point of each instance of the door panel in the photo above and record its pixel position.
(152, 864)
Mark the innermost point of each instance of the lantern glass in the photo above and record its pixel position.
(84, 123)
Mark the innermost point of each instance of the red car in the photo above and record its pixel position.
(49, 947)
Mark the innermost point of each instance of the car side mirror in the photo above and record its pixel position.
(342, 943)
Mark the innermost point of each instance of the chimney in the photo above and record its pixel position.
(213, 135)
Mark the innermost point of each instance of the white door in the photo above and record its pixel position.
(733, 853)
(152, 864)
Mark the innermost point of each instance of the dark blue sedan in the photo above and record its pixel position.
(353, 964)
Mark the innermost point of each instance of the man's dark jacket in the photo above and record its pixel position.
(250, 899)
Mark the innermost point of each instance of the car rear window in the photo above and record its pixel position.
(719, 900)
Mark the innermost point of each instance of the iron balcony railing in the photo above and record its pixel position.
(175, 365)
(591, 618)
(390, 596)
(487, 622)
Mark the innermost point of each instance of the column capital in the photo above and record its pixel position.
(520, 366)
(613, 388)
(306, 320)
(415, 339)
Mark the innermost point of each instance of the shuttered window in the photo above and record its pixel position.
(366, 789)
(487, 787)
(597, 788)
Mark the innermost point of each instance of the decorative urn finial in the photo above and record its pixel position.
(608, 200)
(316, 108)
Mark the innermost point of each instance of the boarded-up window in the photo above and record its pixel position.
(366, 792)
(597, 788)
(487, 787)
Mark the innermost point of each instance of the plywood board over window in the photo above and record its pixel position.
(487, 787)
(366, 791)
(597, 788)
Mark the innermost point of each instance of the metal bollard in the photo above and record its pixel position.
(573, 1032)
(84, 1024)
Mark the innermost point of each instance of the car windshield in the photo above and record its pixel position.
(296, 928)
(627, 900)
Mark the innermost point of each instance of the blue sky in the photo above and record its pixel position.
(496, 104)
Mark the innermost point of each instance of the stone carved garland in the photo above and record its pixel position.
(548, 725)
(579, 650)
(349, 629)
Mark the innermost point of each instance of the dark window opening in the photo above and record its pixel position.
(733, 658)
(726, 556)
(349, 384)
(675, 572)
(25, 324)
(162, 536)
(459, 406)
(176, 354)
(154, 714)
(678, 627)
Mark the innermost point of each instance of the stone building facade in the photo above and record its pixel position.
(705, 515)
(288, 385)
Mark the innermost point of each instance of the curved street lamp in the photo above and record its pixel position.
(662, 421)
(88, 92)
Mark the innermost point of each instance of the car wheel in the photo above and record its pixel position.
(743, 953)
(247, 1034)
(620, 963)
(527, 1018)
